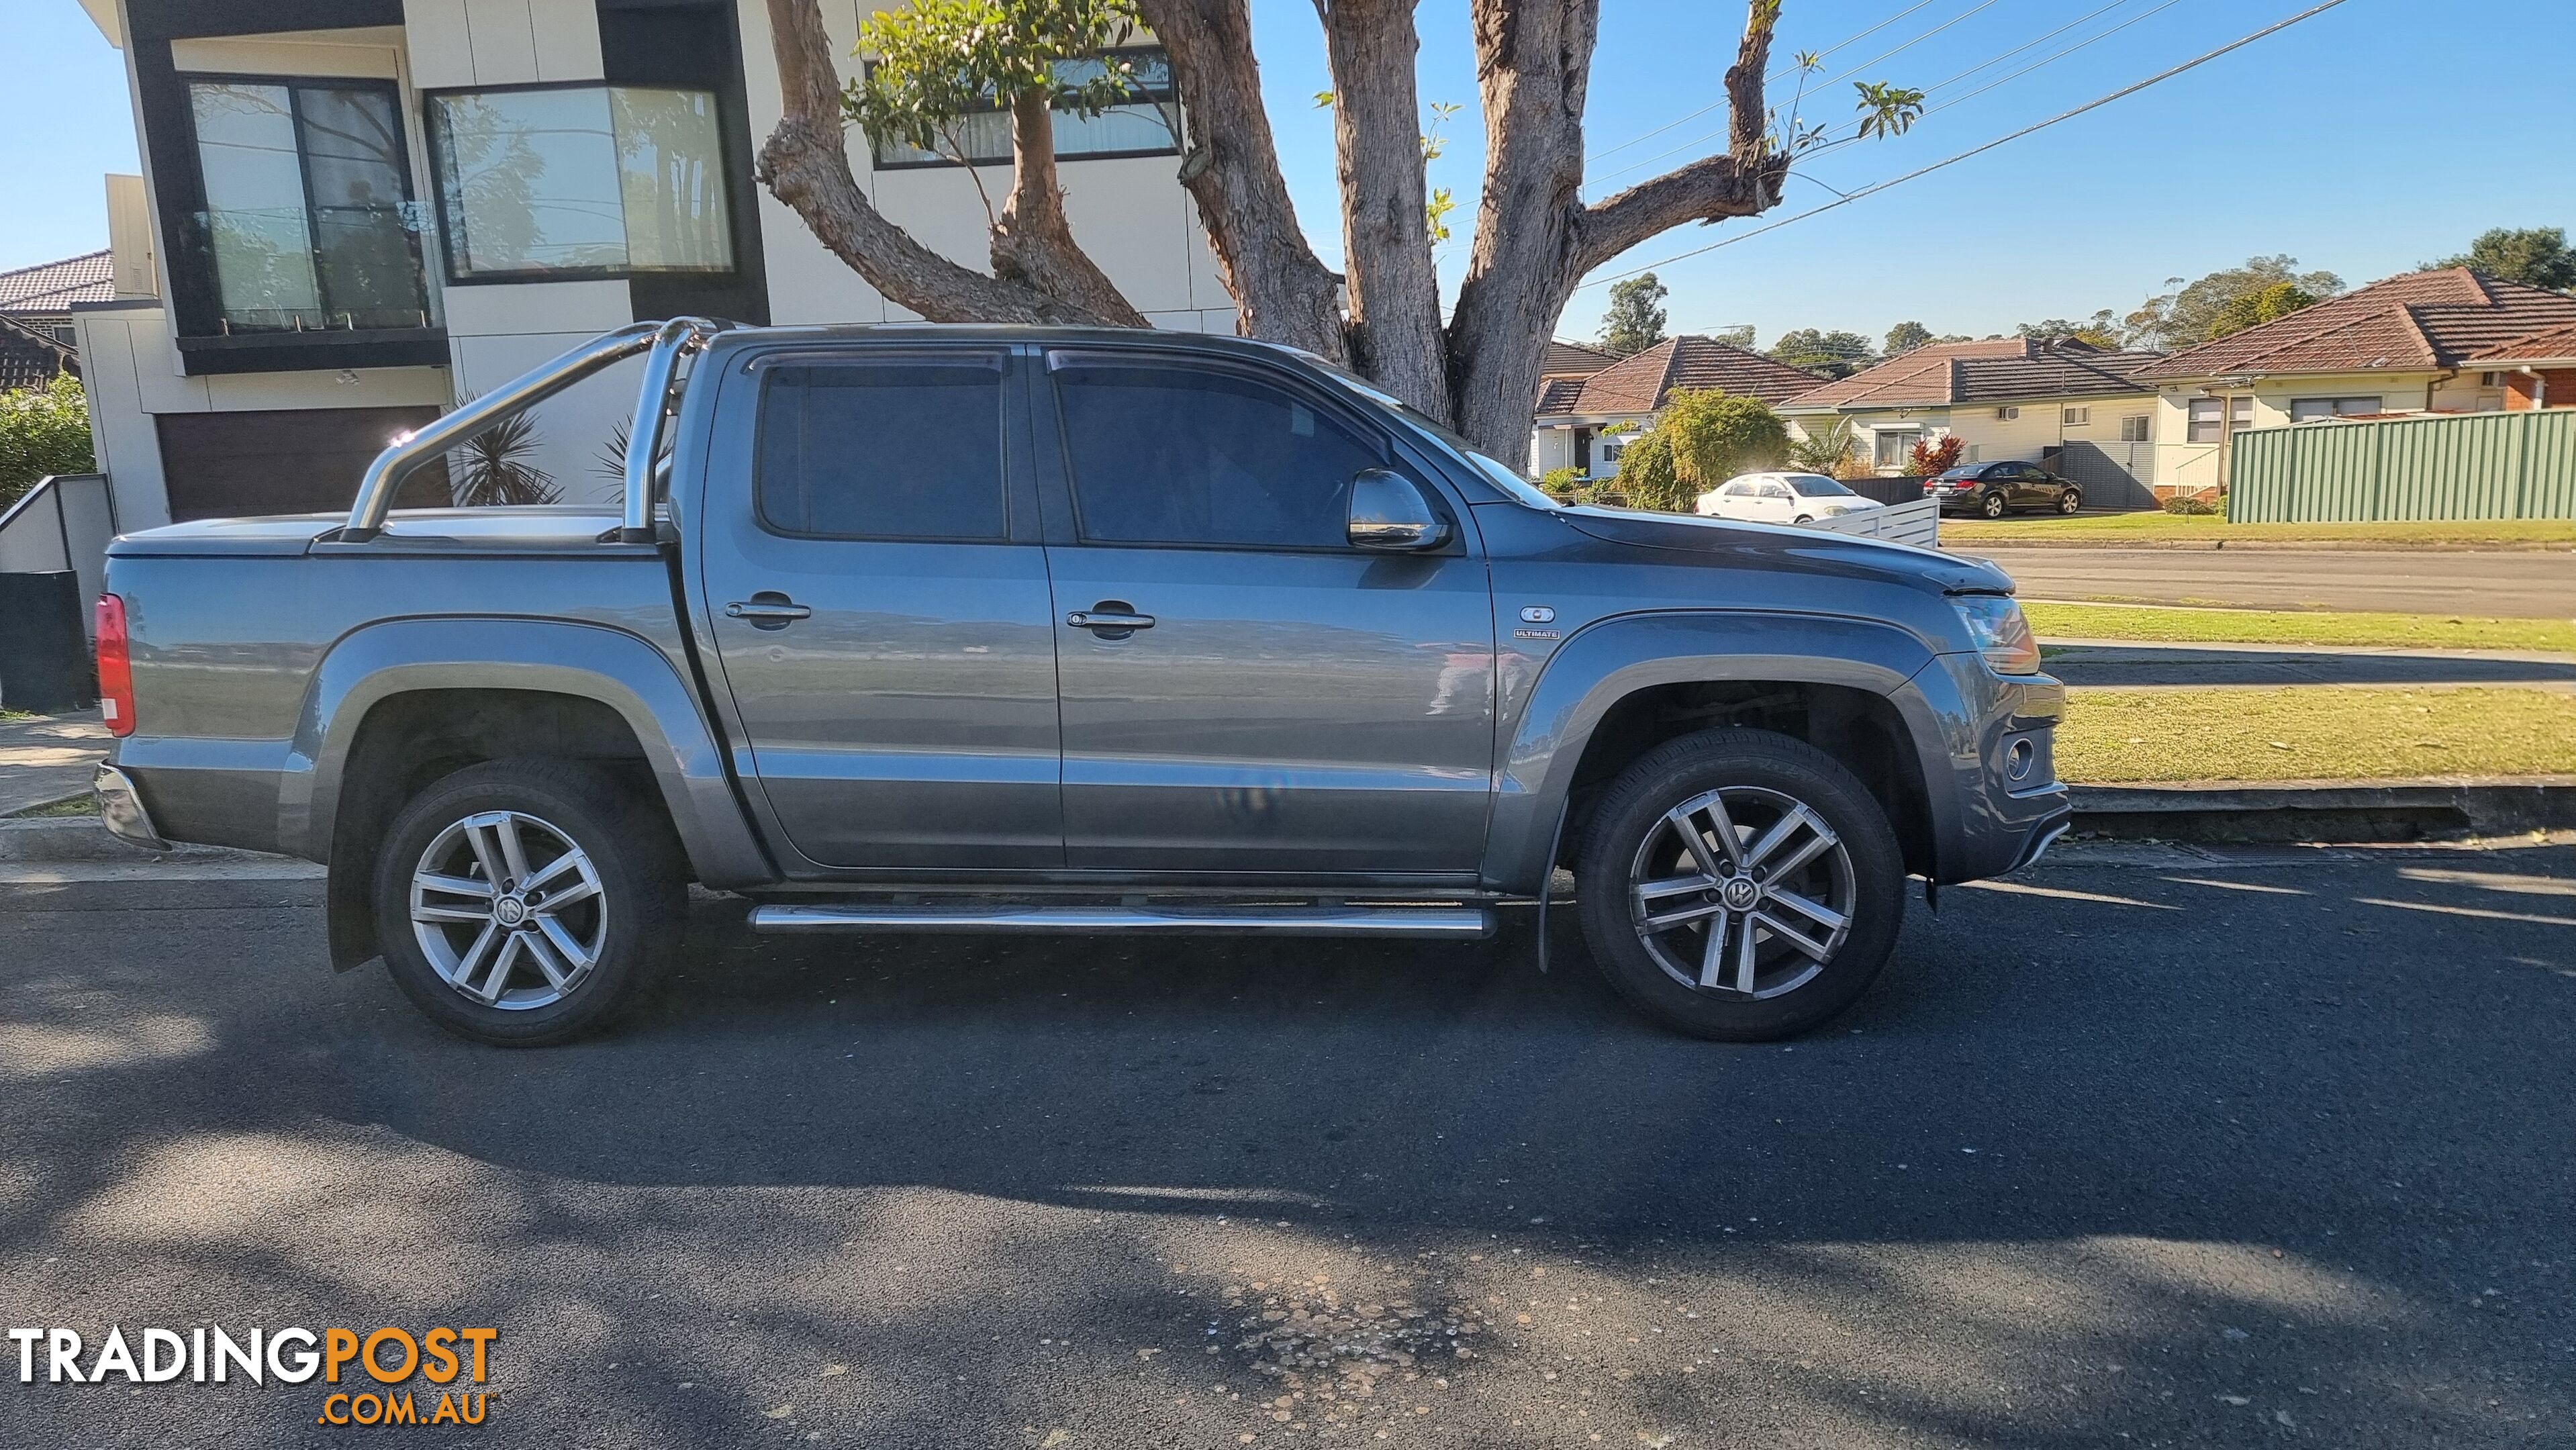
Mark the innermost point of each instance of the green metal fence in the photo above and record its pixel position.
(2471, 466)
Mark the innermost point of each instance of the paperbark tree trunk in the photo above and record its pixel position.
(1386, 238)
(1032, 242)
(1535, 239)
(805, 164)
(1230, 164)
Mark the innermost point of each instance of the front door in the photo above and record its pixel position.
(1242, 690)
(878, 600)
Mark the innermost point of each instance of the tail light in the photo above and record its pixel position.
(115, 668)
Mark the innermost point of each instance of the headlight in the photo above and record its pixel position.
(1996, 625)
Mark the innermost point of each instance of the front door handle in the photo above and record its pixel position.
(1110, 619)
(767, 610)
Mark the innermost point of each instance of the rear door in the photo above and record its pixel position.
(1273, 699)
(878, 600)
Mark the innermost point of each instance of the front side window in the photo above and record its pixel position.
(1163, 454)
(1816, 485)
(895, 449)
(307, 223)
(1145, 124)
(580, 181)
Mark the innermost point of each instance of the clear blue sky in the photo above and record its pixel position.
(2373, 137)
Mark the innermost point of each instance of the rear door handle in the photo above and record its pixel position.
(767, 610)
(1109, 621)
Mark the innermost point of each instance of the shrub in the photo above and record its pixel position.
(1716, 436)
(1561, 482)
(2194, 503)
(1646, 474)
(1929, 458)
(1826, 451)
(42, 430)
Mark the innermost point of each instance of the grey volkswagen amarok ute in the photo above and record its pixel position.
(915, 628)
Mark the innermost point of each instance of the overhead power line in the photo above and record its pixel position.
(2128, 90)
(1695, 142)
(1766, 80)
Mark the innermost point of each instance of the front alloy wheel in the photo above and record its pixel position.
(1740, 884)
(2070, 500)
(1742, 890)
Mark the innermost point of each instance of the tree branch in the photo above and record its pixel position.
(1231, 167)
(1386, 237)
(806, 164)
(1032, 242)
(1744, 181)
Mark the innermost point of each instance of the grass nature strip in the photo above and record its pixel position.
(2296, 626)
(2153, 528)
(2314, 732)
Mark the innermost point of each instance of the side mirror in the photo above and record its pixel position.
(1389, 512)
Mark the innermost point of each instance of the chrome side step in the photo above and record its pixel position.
(1418, 923)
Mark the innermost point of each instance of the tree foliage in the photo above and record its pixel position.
(1716, 435)
(1647, 475)
(2253, 309)
(42, 431)
(1834, 354)
(1905, 337)
(2102, 330)
(939, 60)
(2536, 256)
(2186, 316)
(1740, 335)
(1635, 321)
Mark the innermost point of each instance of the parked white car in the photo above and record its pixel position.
(1781, 498)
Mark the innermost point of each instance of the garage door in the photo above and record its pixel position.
(284, 461)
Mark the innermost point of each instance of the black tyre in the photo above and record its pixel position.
(2070, 500)
(1993, 505)
(1804, 519)
(522, 902)
(1761, 842)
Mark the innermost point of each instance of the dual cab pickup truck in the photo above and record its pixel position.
(920, 628)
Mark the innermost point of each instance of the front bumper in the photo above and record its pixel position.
(120, 805)
(2003, 822)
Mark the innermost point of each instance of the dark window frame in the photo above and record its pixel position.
(1167, 96)
(1385, 450)
(198, 257)
(430, 138)
(765, 368)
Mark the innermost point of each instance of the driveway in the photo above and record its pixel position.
(2509, 584)
(44, 758)
(2154, 1148)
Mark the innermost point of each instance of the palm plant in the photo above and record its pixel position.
(494, 468)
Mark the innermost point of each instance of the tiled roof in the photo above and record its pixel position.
(1640, 383)
(55, 286)
(1998, 370)
(1574, 359)
(2416, 321)
(2550, 344)
(30, 358)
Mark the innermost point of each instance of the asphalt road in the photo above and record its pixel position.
(2534, 584)
(2157, 1148)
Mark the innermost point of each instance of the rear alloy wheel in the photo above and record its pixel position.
(521, 902)
(2070, 500)
(1739, 884)
(1992, 505)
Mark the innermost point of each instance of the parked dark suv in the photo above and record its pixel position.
(1996, 489)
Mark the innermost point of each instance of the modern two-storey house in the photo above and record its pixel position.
(355, 213)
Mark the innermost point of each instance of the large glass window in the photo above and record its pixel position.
(1142, 125)
(307, 222)
(581, 180)
(2308, 410)
(908, 449)
(1162, 454)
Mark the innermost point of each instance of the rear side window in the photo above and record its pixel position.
(899, 449)
(1162, 454)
